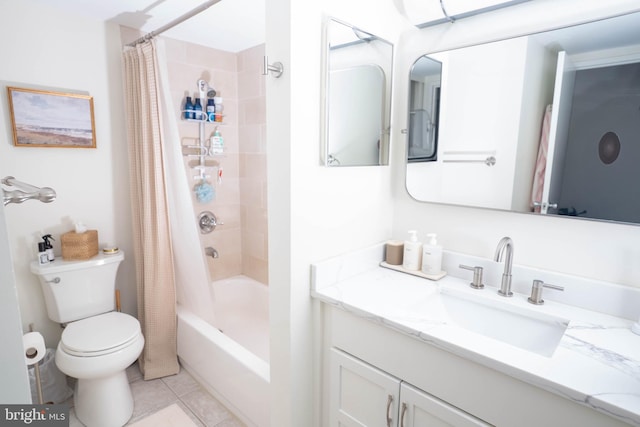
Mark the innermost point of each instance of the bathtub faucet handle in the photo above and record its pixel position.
(208, 222)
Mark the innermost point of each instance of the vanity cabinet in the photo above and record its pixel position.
(364, 362)
(363, 395)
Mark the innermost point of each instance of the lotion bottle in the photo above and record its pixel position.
(431, 255)
(412, 252)
(217, 143)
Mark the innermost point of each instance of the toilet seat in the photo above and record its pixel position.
(100, 335)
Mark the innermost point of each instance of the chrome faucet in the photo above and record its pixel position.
(505, 245)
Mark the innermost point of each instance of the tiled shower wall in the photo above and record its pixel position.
(252, 131)
(240, 201)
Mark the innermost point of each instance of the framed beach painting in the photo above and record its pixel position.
(51, 119)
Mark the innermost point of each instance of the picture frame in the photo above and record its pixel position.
(43, 118)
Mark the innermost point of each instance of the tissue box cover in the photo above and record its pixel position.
(78, 246)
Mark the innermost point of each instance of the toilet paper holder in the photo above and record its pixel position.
(34, 352)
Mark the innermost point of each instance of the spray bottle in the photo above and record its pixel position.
(49, 247)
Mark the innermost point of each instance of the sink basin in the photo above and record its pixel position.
(535, 332)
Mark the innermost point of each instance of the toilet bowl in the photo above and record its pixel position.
(96, 351)
(98, 343)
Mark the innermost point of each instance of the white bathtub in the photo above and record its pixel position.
(231, 359)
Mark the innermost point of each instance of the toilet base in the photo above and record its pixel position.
(104, 402)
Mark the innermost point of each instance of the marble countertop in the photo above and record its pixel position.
(597, 361)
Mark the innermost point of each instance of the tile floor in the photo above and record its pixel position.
(181, 389)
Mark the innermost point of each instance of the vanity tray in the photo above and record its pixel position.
(414, 272)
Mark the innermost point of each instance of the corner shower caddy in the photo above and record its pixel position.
(202, 150)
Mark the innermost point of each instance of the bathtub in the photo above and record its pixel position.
(231, 359)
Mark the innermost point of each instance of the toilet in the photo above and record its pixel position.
(98, 343)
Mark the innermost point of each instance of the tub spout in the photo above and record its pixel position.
(209, 251)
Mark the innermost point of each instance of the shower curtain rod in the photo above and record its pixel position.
(179, 20)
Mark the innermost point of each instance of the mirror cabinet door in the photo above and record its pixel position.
(358, 97)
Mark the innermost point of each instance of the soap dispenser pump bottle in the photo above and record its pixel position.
(412, 252)
(431, 255)
(217, 143)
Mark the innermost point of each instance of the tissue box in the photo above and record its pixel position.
(79, 246)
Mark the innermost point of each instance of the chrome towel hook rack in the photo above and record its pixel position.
(277, 68)
(25, 192)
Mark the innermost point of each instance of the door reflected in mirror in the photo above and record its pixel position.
(545, 123)
(424, 110)
(358, 97)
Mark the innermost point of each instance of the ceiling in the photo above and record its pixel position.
(230, 25)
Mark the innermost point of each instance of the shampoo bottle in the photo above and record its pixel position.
(431, 256)
(412, 252)
(197, 106)
(211, 110)
(188, 109)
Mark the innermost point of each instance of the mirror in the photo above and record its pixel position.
(358, 97)
(575, 91)
(424, 110)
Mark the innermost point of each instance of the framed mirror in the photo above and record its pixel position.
(546, 123)
(357, 97)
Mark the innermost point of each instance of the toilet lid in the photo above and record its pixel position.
(100, 333)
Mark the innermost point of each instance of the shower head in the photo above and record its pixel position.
(205, 89)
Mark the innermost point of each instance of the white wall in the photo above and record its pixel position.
(585, 248)
(44, 48)
(314, 212)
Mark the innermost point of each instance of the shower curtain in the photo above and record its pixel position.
(169, 260)
(151, 230)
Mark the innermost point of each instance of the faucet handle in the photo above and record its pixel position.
(477, 276)
(536, 291)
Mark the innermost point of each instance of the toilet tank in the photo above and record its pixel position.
(77, 289)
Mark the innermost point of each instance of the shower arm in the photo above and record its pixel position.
(25, 192)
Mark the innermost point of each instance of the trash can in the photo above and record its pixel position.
(54, 383)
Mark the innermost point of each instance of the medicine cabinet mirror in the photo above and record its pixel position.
(357, 97)
(482, 116)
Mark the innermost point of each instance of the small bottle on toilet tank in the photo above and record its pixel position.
(43, 257)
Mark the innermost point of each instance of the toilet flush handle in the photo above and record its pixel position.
(54, 280)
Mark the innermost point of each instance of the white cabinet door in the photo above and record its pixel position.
(361, 395)
(419, 409)
(364, 396)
